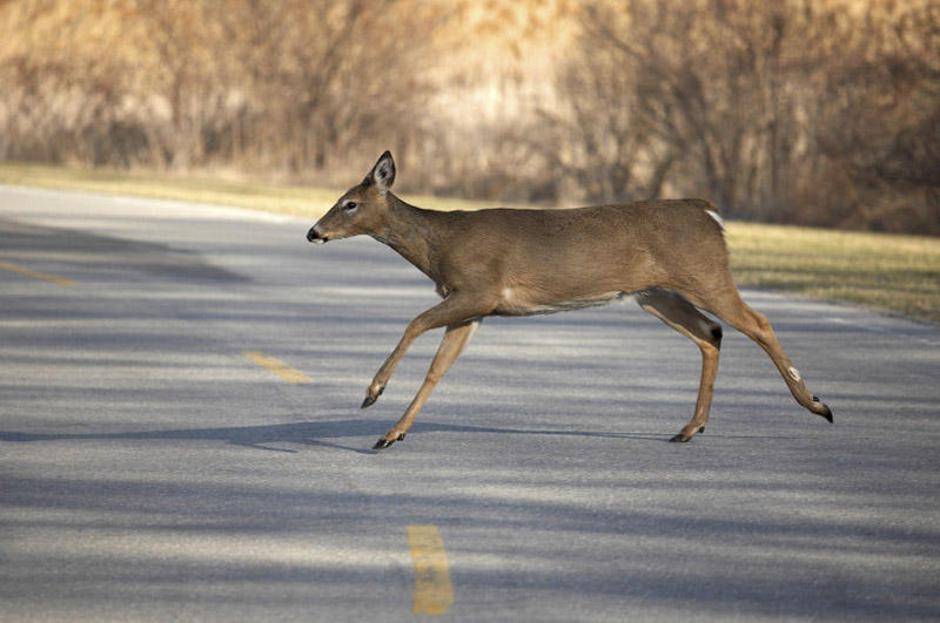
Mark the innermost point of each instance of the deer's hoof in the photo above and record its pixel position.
(680, 438)
(383, 443)
(701, 429)
(825, 411)
(371, 397)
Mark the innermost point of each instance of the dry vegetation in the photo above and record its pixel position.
(886, 272)
(821, 112)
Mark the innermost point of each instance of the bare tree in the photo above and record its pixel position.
(710, 83)
(880, 129)
(793, 111)
(598, 140)
(329, 73)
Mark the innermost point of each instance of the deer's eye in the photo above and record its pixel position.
(350, 206)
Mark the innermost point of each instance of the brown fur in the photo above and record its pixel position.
(671, 254)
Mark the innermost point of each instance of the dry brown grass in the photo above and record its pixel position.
(892, 273)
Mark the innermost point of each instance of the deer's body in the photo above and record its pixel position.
(670, 254)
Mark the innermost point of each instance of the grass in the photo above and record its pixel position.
(887, 273)
(295, 200)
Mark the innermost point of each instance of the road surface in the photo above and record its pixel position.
(181, 439)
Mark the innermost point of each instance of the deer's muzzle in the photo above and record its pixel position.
(314, 236)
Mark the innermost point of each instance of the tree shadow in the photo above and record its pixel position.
(107, 256)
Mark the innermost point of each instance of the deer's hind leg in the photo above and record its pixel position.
(682, 316)
(726, 303)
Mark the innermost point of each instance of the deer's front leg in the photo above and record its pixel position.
(456, 309)
(452, 344)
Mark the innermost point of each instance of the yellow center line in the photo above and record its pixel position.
(35, 274)
(433, 593)
(278, 367)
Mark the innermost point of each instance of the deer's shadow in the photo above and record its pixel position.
(317, 433)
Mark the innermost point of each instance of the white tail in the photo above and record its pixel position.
(670, 254)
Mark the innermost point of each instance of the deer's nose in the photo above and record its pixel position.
(314, 236)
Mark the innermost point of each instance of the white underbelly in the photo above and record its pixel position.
(516, 303)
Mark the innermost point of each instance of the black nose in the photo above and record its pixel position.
(312, 234)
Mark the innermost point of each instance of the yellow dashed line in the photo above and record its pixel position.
(35, 274)
(278, 367)
(433, 593)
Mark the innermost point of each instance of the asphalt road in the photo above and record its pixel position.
(149, 470)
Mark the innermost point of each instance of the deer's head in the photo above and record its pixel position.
(362, 209)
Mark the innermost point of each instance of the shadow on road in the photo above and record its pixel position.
(104, 259)
(305, 433)
(772, 557)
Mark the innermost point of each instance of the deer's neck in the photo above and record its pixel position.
(409, 231)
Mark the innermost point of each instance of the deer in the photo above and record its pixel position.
(668, 254)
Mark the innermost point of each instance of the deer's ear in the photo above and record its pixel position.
(383, 173)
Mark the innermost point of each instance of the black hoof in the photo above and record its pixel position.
(701, 429)
(370, 399)
(680, 438)
(383, 443)
(828, 412)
